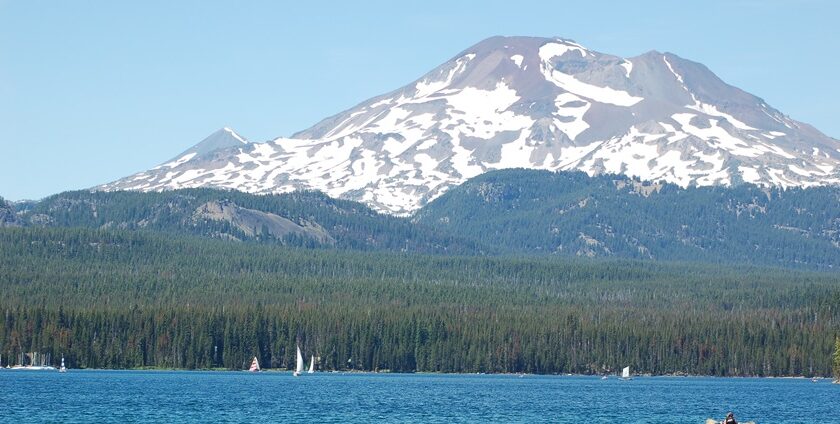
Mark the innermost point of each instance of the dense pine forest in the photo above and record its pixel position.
(112, 298)
(573, 214)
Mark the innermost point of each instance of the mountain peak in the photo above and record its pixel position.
(513, 41)
(234, 134)
(219, 139)
(522, 102)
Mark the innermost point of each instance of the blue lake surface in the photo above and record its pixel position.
(185, 396)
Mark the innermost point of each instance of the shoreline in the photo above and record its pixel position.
(433, 373)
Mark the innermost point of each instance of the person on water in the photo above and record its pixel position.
(730, 419)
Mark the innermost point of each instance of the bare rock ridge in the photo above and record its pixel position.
(254, 222)
(520, 102)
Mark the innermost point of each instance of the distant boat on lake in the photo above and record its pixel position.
(714, 421)
(298, 363)
(255, 365)
(63, 368)
(625, 373)
(311, 366)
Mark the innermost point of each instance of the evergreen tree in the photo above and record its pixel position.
(836, 365)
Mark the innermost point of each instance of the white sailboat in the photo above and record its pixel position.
(625, 373)
(255, 365)
(299, 363)
(311, 365)
(63, 368)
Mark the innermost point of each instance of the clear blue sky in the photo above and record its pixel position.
(91, 91)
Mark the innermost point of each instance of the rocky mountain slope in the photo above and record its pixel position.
(511, 102)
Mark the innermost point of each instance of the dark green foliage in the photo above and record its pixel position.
(8, 217)
(350, 224)
(572, 214)
(836, 360)
(119, 299)
(120, 280)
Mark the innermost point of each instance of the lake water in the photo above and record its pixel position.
(183, 396)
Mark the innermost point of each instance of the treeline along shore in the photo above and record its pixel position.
(120, 299)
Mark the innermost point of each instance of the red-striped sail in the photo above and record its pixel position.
(255, 365)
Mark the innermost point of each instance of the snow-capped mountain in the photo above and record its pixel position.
(524, 102)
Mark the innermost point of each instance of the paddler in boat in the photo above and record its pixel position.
(730, 419)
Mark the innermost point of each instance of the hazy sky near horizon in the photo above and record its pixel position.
(91, 91)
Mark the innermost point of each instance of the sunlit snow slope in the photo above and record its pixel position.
(521, 102)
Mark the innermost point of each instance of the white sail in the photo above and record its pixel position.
(299, 364)
(312, 365)
(255, 365)
(625, 373)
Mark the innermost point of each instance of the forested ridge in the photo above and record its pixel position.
(516, 211)
(124, 299)
(345, 224)
(573, 214)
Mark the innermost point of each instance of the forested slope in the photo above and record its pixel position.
(521, 212)
(119, 299)
(572, 214)
(307, 219)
